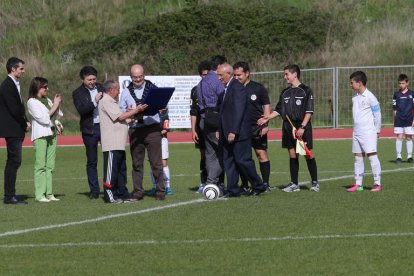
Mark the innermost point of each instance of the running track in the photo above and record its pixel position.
(185, 137)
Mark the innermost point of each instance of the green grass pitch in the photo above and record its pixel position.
(327, 233)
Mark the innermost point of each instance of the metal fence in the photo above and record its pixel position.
(333, 94)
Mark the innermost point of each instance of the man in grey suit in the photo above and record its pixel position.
(13, 125)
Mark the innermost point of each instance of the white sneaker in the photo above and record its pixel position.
(43, 200)
(292, 187)
(52, 198)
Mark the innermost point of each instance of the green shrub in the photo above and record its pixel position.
(174, 43)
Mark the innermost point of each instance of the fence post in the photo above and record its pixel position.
(335, 96)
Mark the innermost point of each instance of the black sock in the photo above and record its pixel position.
(313, 169)
(203, 171)
(294, 170)
(265, 171)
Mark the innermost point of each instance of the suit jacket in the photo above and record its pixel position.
(85, 107)
(235, 112)
(13, 121)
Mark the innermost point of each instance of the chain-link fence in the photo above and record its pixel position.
(333, 94)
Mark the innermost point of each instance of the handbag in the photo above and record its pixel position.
(212, 118)
(211, 114)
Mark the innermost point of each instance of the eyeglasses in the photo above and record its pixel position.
(137, 77)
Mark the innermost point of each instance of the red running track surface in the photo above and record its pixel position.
(185, 137)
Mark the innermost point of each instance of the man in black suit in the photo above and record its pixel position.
(235, 134)
(13, 125)
(85, 99)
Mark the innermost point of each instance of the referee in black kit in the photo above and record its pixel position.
(259, 107)
(296, 102)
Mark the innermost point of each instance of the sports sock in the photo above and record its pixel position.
(203, 171)
(294, 170)
(312, 168)
(375, 168)
(265, 171)
(398, 147)
(166, 174)
(359, 170)
(409, 149)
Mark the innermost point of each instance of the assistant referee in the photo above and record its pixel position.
(296, 101)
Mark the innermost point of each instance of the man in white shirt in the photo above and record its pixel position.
(366, 115)
(144, 134)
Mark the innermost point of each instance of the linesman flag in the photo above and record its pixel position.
(301, 147)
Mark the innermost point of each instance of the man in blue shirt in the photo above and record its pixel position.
(209, 90)
(144, 133)
(403, 106)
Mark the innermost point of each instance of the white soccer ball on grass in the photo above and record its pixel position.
(211, 192)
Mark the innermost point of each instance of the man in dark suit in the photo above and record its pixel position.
(13, 125)
(235, 134)
(85, 99)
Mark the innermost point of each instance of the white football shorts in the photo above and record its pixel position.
(164, 148)
(404, 130)
(364, 143)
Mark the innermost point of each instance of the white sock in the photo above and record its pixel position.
(409, 149)
(166, 173)
(359, 169)
(376, 168)
(398, 147)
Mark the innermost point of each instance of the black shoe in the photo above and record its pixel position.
(398, 161)
(257, 192)
(410, 160)
(93, 196)
(267, 187)
(14, 200)
(229, 194)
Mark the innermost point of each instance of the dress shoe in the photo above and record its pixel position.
(13, 200)
(229, 194)
(93, 196)
(256, 192)
(137, 197)
(159, 196)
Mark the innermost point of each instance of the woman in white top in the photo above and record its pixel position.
(44, 131)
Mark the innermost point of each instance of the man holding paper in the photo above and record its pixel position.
(144, 133)
(296, 108)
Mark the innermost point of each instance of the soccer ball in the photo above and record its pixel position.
(211, 191)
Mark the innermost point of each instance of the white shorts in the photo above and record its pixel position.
(364, 143)
(404, 130)
(164, 148)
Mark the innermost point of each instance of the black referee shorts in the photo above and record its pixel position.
(259, 142)
(288, 142)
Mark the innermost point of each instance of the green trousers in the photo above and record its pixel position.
(45, 154)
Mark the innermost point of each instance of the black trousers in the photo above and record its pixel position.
(14, 160)
(91, 145)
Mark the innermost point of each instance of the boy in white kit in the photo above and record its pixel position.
(366, 115)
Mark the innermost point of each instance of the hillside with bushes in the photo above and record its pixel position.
(56, 38)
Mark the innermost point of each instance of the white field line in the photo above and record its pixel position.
(209, 241)
(149, 210)
(97, 219)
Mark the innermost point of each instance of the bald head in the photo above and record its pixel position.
(225, 72)
(137, 75)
